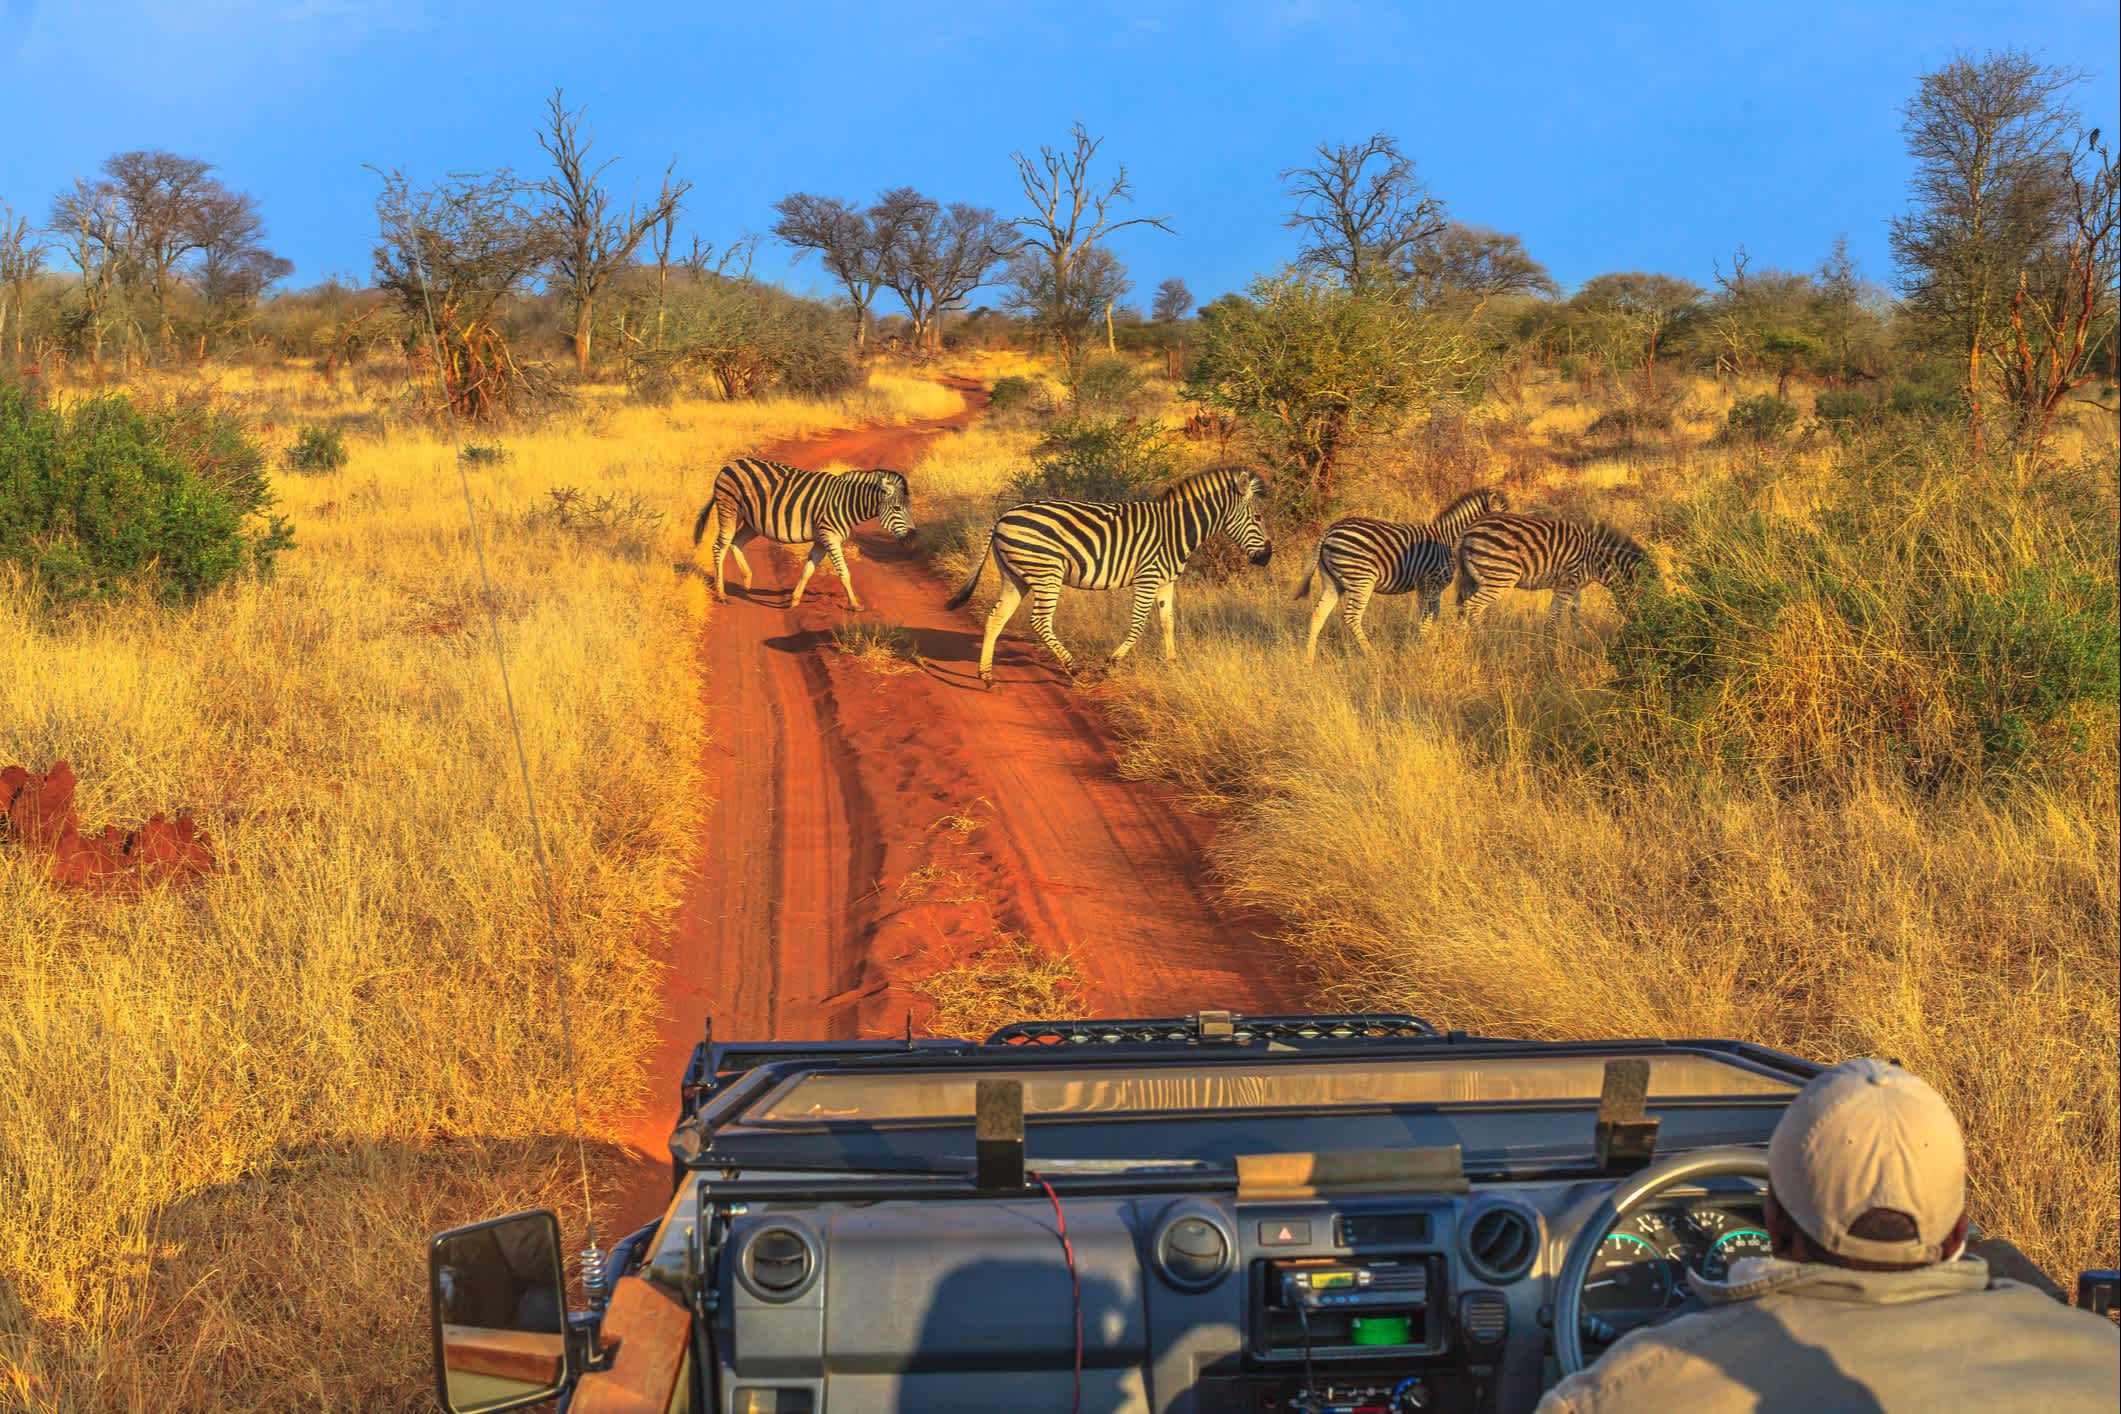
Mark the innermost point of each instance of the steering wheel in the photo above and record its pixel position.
(1632, 1193)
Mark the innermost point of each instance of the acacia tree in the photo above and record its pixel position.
(453, 255)
(1364, 211)
(21, 261)
(1313, 368)
(1070, 213)
(1639, 314)
(590, 240)
(1172, 301)
(1990, 139)
(234, 267)
(937, 255)
(159, 199)
(850, 243)
(1463, 267)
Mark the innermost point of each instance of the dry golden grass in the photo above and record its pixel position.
(234, 1110)
(1431, 851)
(1007, 980)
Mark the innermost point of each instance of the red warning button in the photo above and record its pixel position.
(1285, 1232)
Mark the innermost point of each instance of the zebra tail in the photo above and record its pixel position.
(699, 527)
(1303, 588)
(957, 600)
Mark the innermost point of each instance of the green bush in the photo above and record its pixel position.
(317, 449)
(1931, 615)
(1097, 459)
(105, 496)
(1106, 387)
(483, 453)
(1012, 392)
(1843, 411)
(1760, 419)
(1630, 422)
(1928, 397)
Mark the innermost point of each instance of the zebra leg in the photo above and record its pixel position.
(1431, 610)
(839, 563)
(1358, 603)
(1167, 610)
(1145, 597)
(1045, 598)
(1328, 596)
(736, 547)
(1471, 610)
(810, 563)
(998, 619)
(723, 535)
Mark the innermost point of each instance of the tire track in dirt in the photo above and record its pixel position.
(841, 861)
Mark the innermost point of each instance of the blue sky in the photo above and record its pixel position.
(1649, 137)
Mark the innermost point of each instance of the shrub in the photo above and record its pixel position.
(1843, 411)
(1630, 423)
(1012, 392)
(1931, 616)
(483, 453)
(105, 496)
(1760, 419)
(1925, 401)
(1106, 386)
(626, 524)
(317, 449)
(1097, 459)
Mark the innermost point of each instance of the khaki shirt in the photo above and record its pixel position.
(1814, 1338)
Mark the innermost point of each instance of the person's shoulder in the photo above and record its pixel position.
(2033, 1308)
(1641, 1360)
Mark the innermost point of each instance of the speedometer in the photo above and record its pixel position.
(1628, 1283)
(1737, 1243)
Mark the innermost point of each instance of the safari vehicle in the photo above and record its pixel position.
(1210, 1215)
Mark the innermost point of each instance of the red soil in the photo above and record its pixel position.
(837, 865)
(38, 811)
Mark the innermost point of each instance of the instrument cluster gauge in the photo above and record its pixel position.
(1726, 1237)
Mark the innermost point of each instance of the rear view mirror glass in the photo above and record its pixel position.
(500, 1313)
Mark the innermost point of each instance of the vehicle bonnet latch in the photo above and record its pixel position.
(1627, 1137)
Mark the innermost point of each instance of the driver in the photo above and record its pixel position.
(1867, 1303)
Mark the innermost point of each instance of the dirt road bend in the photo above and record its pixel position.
(869, 829)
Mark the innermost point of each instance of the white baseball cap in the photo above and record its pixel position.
(1865, 1135)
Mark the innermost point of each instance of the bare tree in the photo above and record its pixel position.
(1364, 210)
(21, 261)
(234, 267)
(1990, 141)
(1071, 213)
(2060, 321)
(591, 241)
(87, 217)
(938, 255)
(1172, 301)
(847, 242)
(454, 254)
(159, 199)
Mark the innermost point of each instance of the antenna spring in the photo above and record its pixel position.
(595, 1276)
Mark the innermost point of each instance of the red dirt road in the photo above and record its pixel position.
(870, 829)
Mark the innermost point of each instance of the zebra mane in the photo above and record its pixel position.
(1483, 498)
(1614, 546)
(1229, 480)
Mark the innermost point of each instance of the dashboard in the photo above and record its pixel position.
(1188, 1303)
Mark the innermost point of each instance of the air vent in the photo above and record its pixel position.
(1500, 1242)
(778, 1263)
(1484, 1317)
(1193, 1251)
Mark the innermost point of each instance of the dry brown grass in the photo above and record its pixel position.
(1006, 981)
(233, 1111)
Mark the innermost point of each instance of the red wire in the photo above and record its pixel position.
(1075, 1281)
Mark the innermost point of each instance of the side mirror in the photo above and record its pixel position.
(499, 1301)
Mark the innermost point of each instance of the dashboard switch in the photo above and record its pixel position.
(1285, 1232)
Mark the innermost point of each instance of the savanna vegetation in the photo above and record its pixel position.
(1845, 783)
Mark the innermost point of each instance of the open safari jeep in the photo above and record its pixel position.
(1209, 1215)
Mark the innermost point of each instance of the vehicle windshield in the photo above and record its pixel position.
(870, 1097)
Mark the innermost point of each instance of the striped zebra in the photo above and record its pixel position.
(1537, 552)
(1358, 556)
(753, 497)
(1041, 545)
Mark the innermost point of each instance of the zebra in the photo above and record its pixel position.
(1538, 552)
(1041, 545)
(1358, 556)
(754, 497)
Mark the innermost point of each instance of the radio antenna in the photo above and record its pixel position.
(592, 1255)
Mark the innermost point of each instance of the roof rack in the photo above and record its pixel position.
(1215, 1026)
